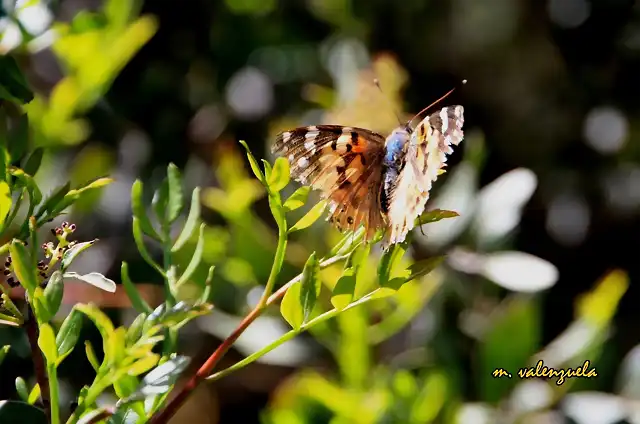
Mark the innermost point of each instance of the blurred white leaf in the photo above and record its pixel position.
(95, 279)
(458, 194)
(519, 271)
(513, 270)
(628, 380)
(500, 203)
(531, 395)
(594, 408)
(476, 413)
(259, 334)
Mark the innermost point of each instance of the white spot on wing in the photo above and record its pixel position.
(445, 119)
(303, 162)
(286, 136)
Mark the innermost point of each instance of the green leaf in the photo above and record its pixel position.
(34, 161)
(41, 306)
(431, 399)
(12, 411)
(275, 203)
(138, 303)
(279, 177)
(27, 181)
(434, 215)
(73, 195)
(208, 286)
(135, 329)
(140, 212)
(254, 163)
(291, 308)
(195, 259)
(54, 198)
(34, 395)
(101, 321)
(162, 378)
(73, 252)
(160, 201)
(91, 355)
(297, 199)
(8, 304)
(142, 249)
(310, 217)
(387, 262)
(510, 341)
(68, 334)
(311, 285)
(267, 169)
(344, 289)
(191, 222)
(23, 266)
(3, 352)
(95, 279)
(47, 343)
(175, 195)
(53, 292)
(19, 138)
(394, 283)
(5, 201)
(424, 267)
(13, 82)
(22, 389)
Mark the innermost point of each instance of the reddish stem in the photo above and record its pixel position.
(31, 326)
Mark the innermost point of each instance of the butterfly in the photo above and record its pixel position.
(381, 184)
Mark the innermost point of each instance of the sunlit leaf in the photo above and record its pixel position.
(55, 197)
(135, 329)
(91, 355)
(95, 279)
(71, 253)
(279, 177)
(291, 308)
(160, 200)
(431, 399)
(175, 199)
(47, 343)
(435, 215)
(311, 285)
(23, 265)
(69, 334)
(5, 201)
(19, 138)
(310, 217)
(424, 267)
(53, 292)
(191, 223)
(389, 258)
(255, 167)
(344, 289)
(297, 199)
(28, 182)
(275, 203)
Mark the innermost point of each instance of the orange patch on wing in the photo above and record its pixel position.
(360, 146)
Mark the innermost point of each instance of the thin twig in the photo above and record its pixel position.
(31, 326)
(206, 369)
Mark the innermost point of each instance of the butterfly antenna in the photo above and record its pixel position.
(435, 103)
(377, 84)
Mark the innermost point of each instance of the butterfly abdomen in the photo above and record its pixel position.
(392, 165)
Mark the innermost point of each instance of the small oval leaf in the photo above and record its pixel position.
(74, 251)
(310, 217)
(95, 279)
(290, 307)
(175, 199)
(311, 285)
(279, 177)
(344, 289)
(53, 292)
(23, 266)
(254, 163)
(191, 223)
(297, 199)
(69, 334)
(47, 344)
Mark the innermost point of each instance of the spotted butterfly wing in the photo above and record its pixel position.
(425, 155)
(344, 163)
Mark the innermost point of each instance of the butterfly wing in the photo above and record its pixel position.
(344, 164)
(426, 154)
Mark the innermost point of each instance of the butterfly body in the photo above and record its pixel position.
(369, 180)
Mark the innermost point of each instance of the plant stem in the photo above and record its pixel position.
(205, 370)
(54, 395)
(275, 269)
(31, 326)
